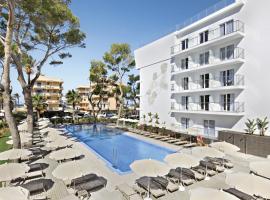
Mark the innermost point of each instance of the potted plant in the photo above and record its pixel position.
(262, 125)
(156, 122)
(150, 121)
(250, 126)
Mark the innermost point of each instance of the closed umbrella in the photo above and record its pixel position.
(14, 154)
(55, 117)
(225, 147)
(261, 168)
(183, 161)
(12, 193)
(149, 168)
(12, 171)
(202, 193)
(250, 184)
(64, 154)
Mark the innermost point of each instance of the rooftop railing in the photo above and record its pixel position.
(216, 7)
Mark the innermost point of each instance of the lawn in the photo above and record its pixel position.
(3, 145)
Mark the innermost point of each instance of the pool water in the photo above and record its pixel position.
(116, 147)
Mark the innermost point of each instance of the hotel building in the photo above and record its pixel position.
(51, 89)
(108, 104)
(211, 73)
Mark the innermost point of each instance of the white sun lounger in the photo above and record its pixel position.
(128, 192)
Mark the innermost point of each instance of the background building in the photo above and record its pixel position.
(212, 73)
(51, 89)
(108, 104)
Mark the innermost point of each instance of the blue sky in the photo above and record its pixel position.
(136, 22)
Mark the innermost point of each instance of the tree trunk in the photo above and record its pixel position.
(38, 114)
(6, 80)
(73, 113)
(121, 104)
(29, 106)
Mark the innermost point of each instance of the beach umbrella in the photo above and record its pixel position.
(14, 154)
(262, 168)
(64, 154)
(10, 171)
(71, 170)
(23, 140)
(12, 193)
(225, 147)
(250, 184)
(183, 161)
(202, 193)
(149, 168)
(59, 143)
(202, 152)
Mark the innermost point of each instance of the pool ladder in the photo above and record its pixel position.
(115, 157)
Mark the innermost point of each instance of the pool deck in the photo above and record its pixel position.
(99, 167)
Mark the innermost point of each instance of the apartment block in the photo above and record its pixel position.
(211, 73)
(51, 89)
(109, 103)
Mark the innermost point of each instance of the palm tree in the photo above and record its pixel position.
(262, 125)
(73, 98)
(39, 104)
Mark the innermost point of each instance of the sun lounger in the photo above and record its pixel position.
(220, 161)
(212, 166)
(83, 179)
(191, 173)
(38, 186)
(165, 139)
(155, 188)
(128, 192)
(202, 170)
(189, 145)
(239, 194)
(92, 185)
(169, 186)
(181, 142)
(176, 176)
(172, 141)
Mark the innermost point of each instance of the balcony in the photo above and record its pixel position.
(214, 108)
(237, 57)
(214, 84)
(215, 35)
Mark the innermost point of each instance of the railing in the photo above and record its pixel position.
(216, 33)
(238, 53)
(227, 107)
(216, 82)
(216, 7)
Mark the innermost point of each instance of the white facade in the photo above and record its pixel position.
(212, 74)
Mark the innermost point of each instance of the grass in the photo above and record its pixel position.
(3, 145)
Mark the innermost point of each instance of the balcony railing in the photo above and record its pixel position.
(226, 107)
(216, 33)
(218, 82)
(238, 53)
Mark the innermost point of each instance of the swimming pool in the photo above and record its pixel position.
(116, 147)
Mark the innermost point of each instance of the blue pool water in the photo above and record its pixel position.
(116, 147)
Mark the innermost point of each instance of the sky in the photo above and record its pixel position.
(136, 22)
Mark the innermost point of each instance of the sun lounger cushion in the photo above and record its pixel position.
(155, 188)
(84, 179)
(239, 194)
(166, 184)
(92, 185)
(128, 192)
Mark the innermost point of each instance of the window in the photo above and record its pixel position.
(204, 58)
(209, 127)
(185, 83)
(172, 105)
(227, 77)
(184, 102)
(227, 52)
(227, 102)
(226, 28)
(204, 101)
(184, 63)
(204, 36)
(172, 87)
(185, 122)
(184, 44)
(204, 81)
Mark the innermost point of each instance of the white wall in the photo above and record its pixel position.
(155, 78)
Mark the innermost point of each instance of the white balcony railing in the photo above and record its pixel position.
(223, 107)
(214, 83)
(238, 53)
(216, 33)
